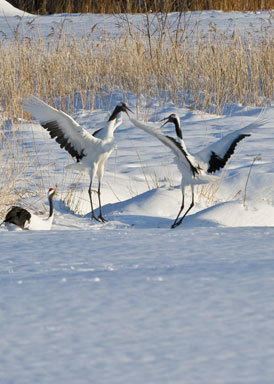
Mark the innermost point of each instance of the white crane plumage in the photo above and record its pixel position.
(90, 150)
(21, 218)
(198, 168)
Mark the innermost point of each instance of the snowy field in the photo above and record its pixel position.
(146, 306)
(133, 301)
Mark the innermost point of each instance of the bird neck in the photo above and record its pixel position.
(114, 113)
(50, 206)
(110, 129)
(178, 129)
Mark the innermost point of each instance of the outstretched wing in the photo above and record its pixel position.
(170, 142)
(66, 131)
(217, 154)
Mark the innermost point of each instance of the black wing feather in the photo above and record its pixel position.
(217, 162)
(96, 132)
(194, 170)
(17, 216)
(57, 133)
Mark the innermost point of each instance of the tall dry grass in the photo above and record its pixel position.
(159, 60)
(138, 6)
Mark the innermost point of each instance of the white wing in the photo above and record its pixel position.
(66, 131)
(170, 142)
(217, 154)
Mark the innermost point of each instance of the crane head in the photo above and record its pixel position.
(170, 119)
(51, 192)
(124, 108)
(173, 118)
(121, 107)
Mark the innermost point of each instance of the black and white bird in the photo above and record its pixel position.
(198, 168)
(91, 151)
(21, 218)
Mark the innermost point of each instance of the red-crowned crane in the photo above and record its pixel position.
(198, 168)
(21, 218)
(91, 151)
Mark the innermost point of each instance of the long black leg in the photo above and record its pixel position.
(100, 206)
(91, 204)
(191, 206)
(180, 211)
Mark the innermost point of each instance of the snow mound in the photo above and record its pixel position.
(159, 207)
(234, 214)
(152, 209)
(156, 202)
(6, 9)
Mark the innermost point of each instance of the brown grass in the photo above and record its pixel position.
(137, 6)
(177, 65)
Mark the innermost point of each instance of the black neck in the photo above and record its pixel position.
(50, 205)
(114, 113)
(178, 129)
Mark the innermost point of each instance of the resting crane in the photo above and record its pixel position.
(21, 218)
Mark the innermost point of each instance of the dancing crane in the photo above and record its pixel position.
(20, 218)
(91, 151)
(198, 168)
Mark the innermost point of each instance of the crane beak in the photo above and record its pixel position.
(128, 109)
(166, 119)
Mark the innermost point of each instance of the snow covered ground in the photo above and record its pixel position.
(137, 306)
(132, 301)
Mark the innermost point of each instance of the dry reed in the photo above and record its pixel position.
(204, 73)
(138, 6)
